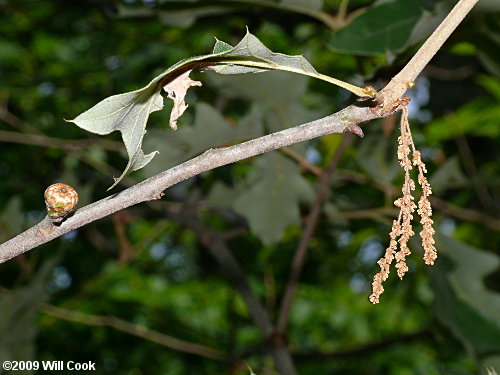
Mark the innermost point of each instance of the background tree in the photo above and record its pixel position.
(195, 281)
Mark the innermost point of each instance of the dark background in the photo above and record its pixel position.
(85, 296)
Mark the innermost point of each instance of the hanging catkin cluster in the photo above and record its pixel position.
(402, 229)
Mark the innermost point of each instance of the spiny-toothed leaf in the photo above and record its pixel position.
(128, 113)
(186, 143)
(271, 203)
(251, 56)
(221, 46)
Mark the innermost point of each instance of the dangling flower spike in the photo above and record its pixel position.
(402, 229)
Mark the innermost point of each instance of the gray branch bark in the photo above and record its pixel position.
(153, 187)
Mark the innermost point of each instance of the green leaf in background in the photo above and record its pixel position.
(429, 21)
(18, 312)
(463, 303)
(281, 108)
(478, 118)
(195, 304)
(222, 195)
(12, 220)
(449, 175)
(271, 201)
(185, 143)
(333, 305)
(376, 157)
(185, 13)
(129, 112)
(217, 131)
(382, 28)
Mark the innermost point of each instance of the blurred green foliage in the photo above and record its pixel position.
(152, 265)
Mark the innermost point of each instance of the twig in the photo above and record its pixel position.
(324, 17)
(437, 203)
(120, 221)
(399, 83)
(65, 144)
(370, 213)
(303, 162)
(153, 187)
(32, 136)
(300, 254)
(16, 122)
(135, 330)
(342, 9)
(366, 349)
(465, 213)
(470, 167)
(236, 232)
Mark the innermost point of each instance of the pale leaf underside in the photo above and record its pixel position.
(128, 113)
(176, 90)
